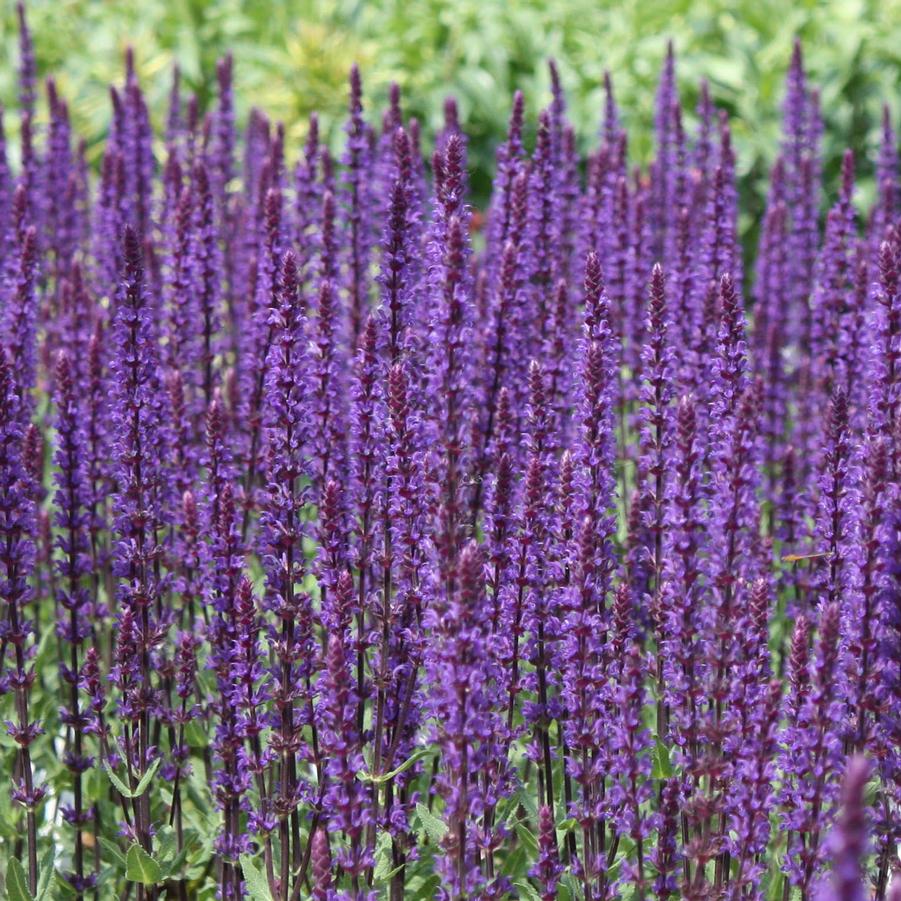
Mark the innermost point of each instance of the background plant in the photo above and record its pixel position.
(293, 59)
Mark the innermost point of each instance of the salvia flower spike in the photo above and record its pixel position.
(365, 537)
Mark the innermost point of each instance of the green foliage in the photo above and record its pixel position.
(292, 58)
(257, 888)
(434, 827)
(366, 776)
(662, 767)
(141, 787)
(16, 882)
(141, 867)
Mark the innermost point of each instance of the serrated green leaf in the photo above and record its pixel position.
(528, 802)
(141, 787)
(45, 873)
(165, 843)
(254, 880)
(505, 809)
(173, 860)
(384, 871)
(141, 867)
(427, 891)
(387, 877)
(569, 888)
(16, 882)
(119, 785)
(382, 857)
(527, 891)
(145, 779)
(434, 827)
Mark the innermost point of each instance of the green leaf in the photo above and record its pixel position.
(515, 863)
(528, 839)
(382, 857)
(198, 858)
(254, 880)
(613, 872)
(16, 882)
(202, 808)
(123, 789)
(141, 867)
(383, 871)
(172, 860)
(365, 776)
(46, 873)
(145, 779)
(119, 785)
(527, 891)
(663, 767)
(195, 736)
(434, 827)
(114, 854)
(164, 847)
(528, 802)
(568, 888)
(47, 649)
(63, 888)
(775, 889)
(386, 877)
(427, 891)
(173, 867)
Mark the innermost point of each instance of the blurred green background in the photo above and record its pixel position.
(292, 57)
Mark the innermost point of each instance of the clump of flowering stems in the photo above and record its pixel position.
(346, 552)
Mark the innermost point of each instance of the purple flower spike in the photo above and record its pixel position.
(666, 856)
(548, 869)
(74, 624)
(321, 859)
(812, 759)
(17, 562)
(358, 225)
(447, 553)
(848, 841)
(463, 698)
